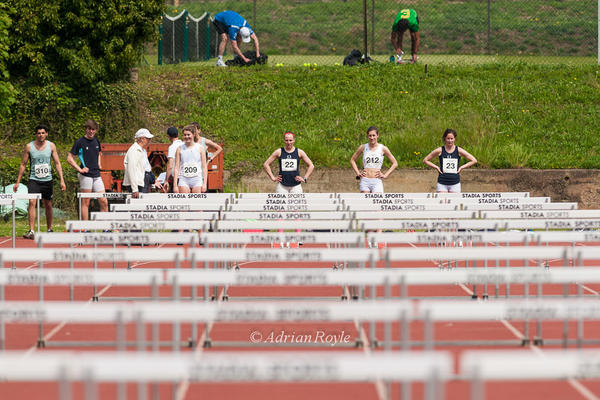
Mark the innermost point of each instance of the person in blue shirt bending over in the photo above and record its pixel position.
(232, 25)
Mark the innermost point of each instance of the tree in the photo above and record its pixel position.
(79, 42)
(7, 93)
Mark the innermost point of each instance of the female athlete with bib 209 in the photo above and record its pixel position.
(449, 169)
(190, 169)
(373, 154)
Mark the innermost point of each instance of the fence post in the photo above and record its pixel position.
(207, 46)
(489, 48)
(185, 37)
(365, 47)
(160, 44)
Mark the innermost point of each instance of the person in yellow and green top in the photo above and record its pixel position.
(406, 19)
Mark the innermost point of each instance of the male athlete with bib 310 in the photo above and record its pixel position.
(40, 152)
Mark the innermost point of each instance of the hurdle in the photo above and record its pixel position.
(434, 369)
(188, 197)
(114, 239)
(140, 225)
(305, 195)
(420, 195)
(10, 199)
(481, 366)
(470, 224)
(322, 225)
(152, 216)
(104, 195)
(541, 214)
(284, 215)
(153, 207)
(538, 308)
(281, 206)
(402, 312)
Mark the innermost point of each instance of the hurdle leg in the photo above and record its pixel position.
(90, 388)
(565, 343)
(2, 326)
(194, 334)
(406, 391)
(64, 384)
(121, 347)
(141, 347)
(41, 343)
(155, 337)
(71, 285)
(95, 294)
(477, 386)
(526, 329)
(474, 295)
(387, 341)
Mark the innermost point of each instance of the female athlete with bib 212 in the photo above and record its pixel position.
(373, 153)
(190, 171)
(449, 169)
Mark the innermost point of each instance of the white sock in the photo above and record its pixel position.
(220, 57)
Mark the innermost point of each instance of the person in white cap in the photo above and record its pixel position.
(138, 175)
(232, 24)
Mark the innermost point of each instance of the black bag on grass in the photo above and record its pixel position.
(237, 61)
(356, 57)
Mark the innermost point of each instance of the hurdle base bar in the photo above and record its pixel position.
(224, 344)
(525, 342)
(41, 343)
(538, 341)
(189, 343)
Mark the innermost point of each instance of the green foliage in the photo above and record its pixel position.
(79, 42)
(7, 94)
(65, 111)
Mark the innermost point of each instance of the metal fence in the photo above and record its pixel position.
(330, 29)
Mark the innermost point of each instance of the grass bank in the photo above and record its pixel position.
(508, 115)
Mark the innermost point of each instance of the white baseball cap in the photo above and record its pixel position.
(143, 133)
(245, 32)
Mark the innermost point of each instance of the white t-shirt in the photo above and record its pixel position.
(173, 148)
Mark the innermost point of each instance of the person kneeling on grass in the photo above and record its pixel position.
(39, 152)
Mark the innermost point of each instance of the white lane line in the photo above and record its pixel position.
(184, 385)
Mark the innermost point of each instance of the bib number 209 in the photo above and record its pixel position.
(191, 170)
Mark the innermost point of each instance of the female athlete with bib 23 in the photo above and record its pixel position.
(449, 169)
(373, 153)
(190, 171)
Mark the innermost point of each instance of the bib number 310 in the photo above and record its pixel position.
(41, 171)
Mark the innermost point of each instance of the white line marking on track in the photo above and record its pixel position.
(184, 385)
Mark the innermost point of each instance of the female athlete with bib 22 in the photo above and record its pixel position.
(449, 169)
(190, 171)
(373, 153)
(289, 179)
